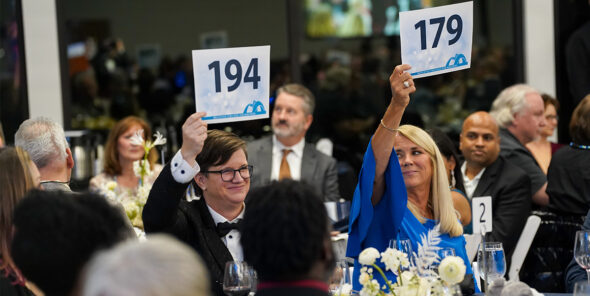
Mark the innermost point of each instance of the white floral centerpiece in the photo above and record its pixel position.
(418, 278)
(133, 202)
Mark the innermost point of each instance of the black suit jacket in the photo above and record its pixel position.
(510, 189)
(167, 211)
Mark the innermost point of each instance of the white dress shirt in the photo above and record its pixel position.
(294, 158)
(232, 238)
(469, 184)
(183, 172)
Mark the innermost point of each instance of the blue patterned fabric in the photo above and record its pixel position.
(374, 226)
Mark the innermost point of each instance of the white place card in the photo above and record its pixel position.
(481, 213)
(437, 40)
(231, 84)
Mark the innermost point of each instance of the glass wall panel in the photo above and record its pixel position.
(13, 86)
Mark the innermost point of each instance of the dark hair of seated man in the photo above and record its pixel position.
(286, 234)
(56, 233)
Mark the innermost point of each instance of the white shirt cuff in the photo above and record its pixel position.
(182, 171)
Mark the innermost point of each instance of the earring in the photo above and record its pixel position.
(453, 179)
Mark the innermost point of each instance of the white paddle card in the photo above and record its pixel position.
(231, 84)
(437, 40)
(481, 214)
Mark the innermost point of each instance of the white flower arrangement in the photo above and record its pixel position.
(134, 203)
(419, 277)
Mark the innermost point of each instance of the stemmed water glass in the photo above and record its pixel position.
(491, 261)
(582, 250)
(237, 278)
(582, 288)
(340, 277)
(403, 245)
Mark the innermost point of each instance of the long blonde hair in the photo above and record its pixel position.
(440, 194)
(15, 181)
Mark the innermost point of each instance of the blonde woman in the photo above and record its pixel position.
(17, 176)
(403, 190)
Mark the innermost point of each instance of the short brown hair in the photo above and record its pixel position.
(111, 159)
(549, 100)
(218, 149)
(15, 181)
(580, 122)
(302, 92)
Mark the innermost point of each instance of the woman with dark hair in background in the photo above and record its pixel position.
(17, 176)
(568, 177)
(541, 148)
(451, 159)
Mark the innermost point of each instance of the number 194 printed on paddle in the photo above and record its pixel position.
(437, 40)
(231, 84)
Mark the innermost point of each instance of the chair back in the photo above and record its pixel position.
(472, 245)
(523, 245)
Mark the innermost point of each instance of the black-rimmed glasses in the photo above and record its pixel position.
(227, 175)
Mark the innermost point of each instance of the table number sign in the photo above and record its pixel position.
(437, 40)
(231, 84)
(481, 213)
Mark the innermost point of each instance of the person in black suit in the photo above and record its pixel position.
(286, 238)
(485, 173)
(216, 164)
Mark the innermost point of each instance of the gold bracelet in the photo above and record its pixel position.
(393, 130)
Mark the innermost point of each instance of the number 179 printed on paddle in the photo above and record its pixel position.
(231, 84)
(437, 40)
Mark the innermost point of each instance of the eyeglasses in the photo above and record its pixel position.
(227, 175)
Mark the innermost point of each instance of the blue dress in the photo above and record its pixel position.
(374, 226)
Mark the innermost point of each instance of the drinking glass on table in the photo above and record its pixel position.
(237, 278)
(582, 250)
(340, 281)
(582, 288)
(445, 252)
(253, 281)
(491, 261)
(403, 245)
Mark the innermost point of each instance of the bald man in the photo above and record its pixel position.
(485, 173)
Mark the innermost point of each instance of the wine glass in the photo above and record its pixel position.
(445, 252)
(491, 261)
(403, 245)
(340, 277)
(582, 288)
(452, 290)
(582, 250)
(253, 281)
(237, 278)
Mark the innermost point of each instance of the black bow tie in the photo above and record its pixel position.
(225, 227)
